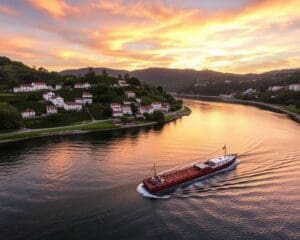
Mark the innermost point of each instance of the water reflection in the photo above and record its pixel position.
(88, 182)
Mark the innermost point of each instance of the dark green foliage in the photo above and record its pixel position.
(61, 119)
(297, 104)
(133, 108)
(70, 94)
(38, 106)
(106, 94)
(125, 119)
(100, 111)
(34, 96)
(134, 81)
(158, 116)
(13, 73)
(9, 117)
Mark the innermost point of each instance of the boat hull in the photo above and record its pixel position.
(203, 175)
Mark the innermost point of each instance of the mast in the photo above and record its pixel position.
(154, 169)
(225, 150)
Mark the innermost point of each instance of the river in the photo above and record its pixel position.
(84, 186)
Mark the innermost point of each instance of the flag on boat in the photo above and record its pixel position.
(224, 147)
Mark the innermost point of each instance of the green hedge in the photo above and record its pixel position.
(57, 120)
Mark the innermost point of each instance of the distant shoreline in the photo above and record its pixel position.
(104, 126)
(266, 106)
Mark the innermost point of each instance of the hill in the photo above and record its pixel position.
(13, 73)
(178, 80)
(170, 79)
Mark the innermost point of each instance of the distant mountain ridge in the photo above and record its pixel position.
(179, 79)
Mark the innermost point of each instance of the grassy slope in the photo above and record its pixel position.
(291, 108)
(36, 133)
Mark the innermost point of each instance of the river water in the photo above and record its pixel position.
(84, 186)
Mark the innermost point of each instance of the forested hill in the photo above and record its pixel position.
(178, 80)
(13, 73)
(170, 79)
(174, 80)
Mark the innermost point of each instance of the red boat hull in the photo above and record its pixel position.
(182, 177)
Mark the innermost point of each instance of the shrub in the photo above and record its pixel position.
(9, 117)
(158, 116)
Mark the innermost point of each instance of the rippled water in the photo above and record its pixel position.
(84, 187)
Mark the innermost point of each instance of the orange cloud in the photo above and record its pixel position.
(137, 34)
(8, 11)
(55, 8)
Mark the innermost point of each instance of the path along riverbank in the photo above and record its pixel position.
(85, 127)
(266, 106)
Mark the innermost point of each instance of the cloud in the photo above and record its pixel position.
(54, 8)
(8, 11)
(134, 34)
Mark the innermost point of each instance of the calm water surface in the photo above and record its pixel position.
(84, 187)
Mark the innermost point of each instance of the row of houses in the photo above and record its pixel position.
(291, 87)
(85, 85)
(35, 86)
(57, 101)
(119, 110)
(30, 113)
(121, 83)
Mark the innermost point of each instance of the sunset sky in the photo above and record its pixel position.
(237, 36)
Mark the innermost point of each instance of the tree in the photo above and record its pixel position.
(133, 108)
(9, 117)
(91, 74)
(134, 81)
(104, 73)
(120, 76)
(158, 116)
(126, 76)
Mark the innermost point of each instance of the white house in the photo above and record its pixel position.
(79, 100)
(28, 113)
(87, 98)
(146, 109)
(275, 88)
(57, 101)
(122, 83)
(39, 86)
(48, 95)
(82, 85)
(117, 110)
(138, 100)
(58, 86)
(34, 86)
(26, 88)
(87, 95)
(294, 87)
(51, 110)
(156, 105)
(72, 106)
(16, 89)
(129, 94)
(165, 107)
(116, 107)
(126, 109)
(117, 113)
(249, 91)
(126, 102)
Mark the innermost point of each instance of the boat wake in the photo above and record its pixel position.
(141, 190)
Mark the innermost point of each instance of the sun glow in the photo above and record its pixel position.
(253, 37)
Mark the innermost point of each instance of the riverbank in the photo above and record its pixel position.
(82, 128)
(274, 108)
